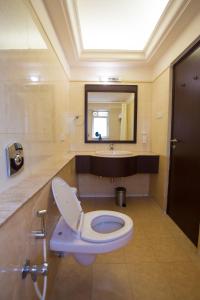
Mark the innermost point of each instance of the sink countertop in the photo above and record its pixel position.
(96, 153)
(15, 196)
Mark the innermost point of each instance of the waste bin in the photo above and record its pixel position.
(120, 196)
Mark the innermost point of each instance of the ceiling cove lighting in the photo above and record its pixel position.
(118, 25)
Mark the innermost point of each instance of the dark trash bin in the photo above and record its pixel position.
(120, 193)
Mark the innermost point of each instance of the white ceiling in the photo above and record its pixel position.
(17, 29)
(117, 25)
(108, 33)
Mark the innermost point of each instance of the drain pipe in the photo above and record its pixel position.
(36, 270)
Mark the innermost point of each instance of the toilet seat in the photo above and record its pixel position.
(91, 235)
(64, 240)
(81, 234)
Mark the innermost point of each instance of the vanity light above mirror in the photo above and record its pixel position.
(110, 113)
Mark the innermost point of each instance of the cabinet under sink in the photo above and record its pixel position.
(117, 166)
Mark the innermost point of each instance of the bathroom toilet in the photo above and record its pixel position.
(84, 235)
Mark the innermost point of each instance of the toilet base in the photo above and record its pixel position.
(84, 259)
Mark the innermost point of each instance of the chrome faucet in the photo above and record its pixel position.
(111, 147)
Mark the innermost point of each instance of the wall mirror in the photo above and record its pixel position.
(110, 113)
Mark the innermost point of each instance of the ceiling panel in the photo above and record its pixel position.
(118, 25)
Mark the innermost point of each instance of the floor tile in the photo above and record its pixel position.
(185, 281)
(139, 250)
(167, 249)
(114, 257)
(149, 281)
(110, 281)
(73, 282)
(159, 263)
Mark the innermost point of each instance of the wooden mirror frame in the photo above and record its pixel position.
(114, 88)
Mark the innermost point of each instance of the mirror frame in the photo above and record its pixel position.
(114, 88)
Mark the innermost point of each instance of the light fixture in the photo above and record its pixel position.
(34, 78)
(109, 78)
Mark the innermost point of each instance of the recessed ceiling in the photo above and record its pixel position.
(108, 32)
(118, 25)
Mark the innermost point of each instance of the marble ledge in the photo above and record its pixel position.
(16, 196)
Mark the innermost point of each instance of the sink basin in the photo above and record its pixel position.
(114, 153)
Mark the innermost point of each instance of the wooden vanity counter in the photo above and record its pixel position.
(117, 166)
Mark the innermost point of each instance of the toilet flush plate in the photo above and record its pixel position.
(15, 158)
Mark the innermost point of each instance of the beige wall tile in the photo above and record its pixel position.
(160, 135)
(17, 243)
(33, 114)
(91, 185)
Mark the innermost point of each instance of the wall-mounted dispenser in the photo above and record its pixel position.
(15, 158)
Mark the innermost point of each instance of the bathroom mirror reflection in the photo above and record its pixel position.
(110, 113)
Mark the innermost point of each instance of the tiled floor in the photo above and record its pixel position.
(160, 263)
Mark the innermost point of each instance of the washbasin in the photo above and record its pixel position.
(113, 153)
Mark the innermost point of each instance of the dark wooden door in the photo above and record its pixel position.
(184, 180)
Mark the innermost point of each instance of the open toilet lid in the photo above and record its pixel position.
(67, 203)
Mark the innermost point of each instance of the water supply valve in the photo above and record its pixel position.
(34, 270)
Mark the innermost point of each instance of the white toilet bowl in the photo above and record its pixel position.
(86, 234)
